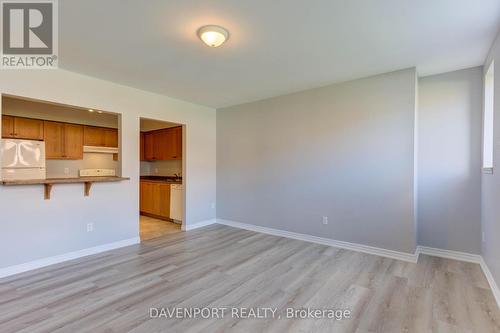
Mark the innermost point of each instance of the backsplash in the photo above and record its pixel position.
(56, 168)
(161, 168)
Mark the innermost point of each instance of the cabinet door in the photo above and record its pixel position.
(93, 136)
(163, 200)
(110, 137)
(73, 142)
(54, 140)
(149, 146)
(147, 197)
(161, 145)
(177, 146)
(29, 129)
(7, 127)
(141, 145)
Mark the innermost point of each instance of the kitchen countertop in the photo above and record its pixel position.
(64, 180)
(162, 179)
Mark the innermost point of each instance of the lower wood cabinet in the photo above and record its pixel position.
(155, 199)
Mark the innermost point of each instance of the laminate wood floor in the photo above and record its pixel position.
(220, 266)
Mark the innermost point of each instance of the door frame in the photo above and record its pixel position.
(184, 168)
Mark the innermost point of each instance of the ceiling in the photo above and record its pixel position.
(57, 112)
(275, 47)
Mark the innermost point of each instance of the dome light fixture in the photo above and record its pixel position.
(213, 35)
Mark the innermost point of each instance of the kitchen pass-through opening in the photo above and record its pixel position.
(44, 141)
(161, 193)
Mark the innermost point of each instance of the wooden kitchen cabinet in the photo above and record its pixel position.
(110, 137)
(142, 147)
(7, 127)
(22, 128)
(63, 141)
(146, 197)
(155, 199)
(148, 146)
(163, 200)
(54, 140)
(163, 145)
(73, 142)
(100, 136)
(177, 148)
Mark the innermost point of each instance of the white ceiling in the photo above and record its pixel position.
(276, 46)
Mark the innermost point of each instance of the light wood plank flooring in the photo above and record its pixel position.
(153, 228)
(222, 266)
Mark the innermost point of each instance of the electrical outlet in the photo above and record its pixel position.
(484, 237)
(212, 205)
(156, 170)
(90, 227)
(325, 219)
(66, 171)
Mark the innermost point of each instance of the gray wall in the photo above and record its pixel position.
(345, 151)
(491, 182)
(449, 160)
(34, 228)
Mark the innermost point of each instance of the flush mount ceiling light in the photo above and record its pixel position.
(213, 35)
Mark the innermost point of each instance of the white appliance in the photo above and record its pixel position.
(97, 172)
(176, 202)
(101, 150)
(22, 159)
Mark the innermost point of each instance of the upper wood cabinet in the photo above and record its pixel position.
(22, 128)
(54, 140)
(110, 137)
(63, 141)
(100, 136)
(73, 142)
(7, 127)
(163, 145)
(142, 147)
(177, 149)
(149, 154)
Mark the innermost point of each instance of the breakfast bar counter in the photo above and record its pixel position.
(49, 182)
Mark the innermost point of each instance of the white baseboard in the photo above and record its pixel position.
(325, 241)
(198, 225)
(448, 254)
(16, 269)
(467, 257)
(491, 281)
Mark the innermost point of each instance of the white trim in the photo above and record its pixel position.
(448, 254)
(468, 257)
(493, 285)
(16, 269)
(325, 241)
(198, 225)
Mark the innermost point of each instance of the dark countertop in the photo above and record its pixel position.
(162, 179)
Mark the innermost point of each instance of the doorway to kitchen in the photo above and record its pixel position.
(161, 193)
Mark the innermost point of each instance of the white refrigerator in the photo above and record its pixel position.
(22, 159)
